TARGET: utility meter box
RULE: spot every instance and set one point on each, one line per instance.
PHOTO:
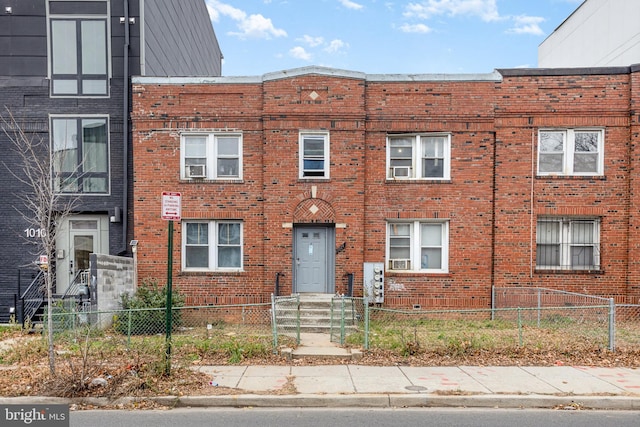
(374, 281)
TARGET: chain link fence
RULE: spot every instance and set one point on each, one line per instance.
(627, 326)
(459, 331)
(552, 320)
(198, 333)
(285, 318)
(347, 318)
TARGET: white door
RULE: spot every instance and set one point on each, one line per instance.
(78, 238)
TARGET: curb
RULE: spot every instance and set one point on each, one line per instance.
(626, 403)
(404, 401)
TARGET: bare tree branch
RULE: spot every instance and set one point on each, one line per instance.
(44, 208)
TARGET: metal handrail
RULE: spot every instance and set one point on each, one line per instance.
(81, 279)
(33, 297)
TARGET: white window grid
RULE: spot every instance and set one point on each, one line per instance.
(310, 159)
(214, 158)
(419, 156)
(571, 152)
(405, 242)
(213, 243)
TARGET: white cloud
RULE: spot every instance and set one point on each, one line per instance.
(351, 5)
(335, 46)
(311, 41)
(251, 26)
(415, 28)
(299, 53)
(487, 10)
(527, 25)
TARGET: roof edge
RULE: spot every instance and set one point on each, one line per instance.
(576, 71)
(321, 71)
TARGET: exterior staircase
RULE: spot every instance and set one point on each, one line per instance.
(318, 321)
(316, 313)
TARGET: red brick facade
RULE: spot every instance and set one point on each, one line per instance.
(490, 203)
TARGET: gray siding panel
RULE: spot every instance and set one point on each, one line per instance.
(195, 52)
(23, 66)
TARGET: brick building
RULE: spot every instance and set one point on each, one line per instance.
(454, 183)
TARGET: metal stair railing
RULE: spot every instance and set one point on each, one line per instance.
(80, 280)
(33, 298)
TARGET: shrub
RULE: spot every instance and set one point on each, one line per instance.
(147, 310)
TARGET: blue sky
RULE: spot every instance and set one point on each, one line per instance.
(383, 36)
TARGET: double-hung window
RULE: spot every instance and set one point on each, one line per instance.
(568, 243)
(79, 48)
(425, 156)
(80, 154)
(314, 155)
(211, 155)
(212, 245)
(571, 152)
(418, 246)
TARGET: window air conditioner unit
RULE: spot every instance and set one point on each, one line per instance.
(402, 172)
(196, 171)
(400, 264)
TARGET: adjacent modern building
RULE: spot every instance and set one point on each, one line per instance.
(301, 181)
(599, 33)
(65, 69)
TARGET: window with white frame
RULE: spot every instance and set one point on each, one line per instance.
(418, 246)
(80, 154)
(571, 152)
(314, 155)
(568, 243)
(211, 245)
(79, 48)
(211, 155)
(424, 156)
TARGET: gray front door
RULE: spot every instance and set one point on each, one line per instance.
(313, 260)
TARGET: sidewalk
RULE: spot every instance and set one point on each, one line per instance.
(563, 387)
(403, 386)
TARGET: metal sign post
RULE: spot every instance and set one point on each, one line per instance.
(171, 210)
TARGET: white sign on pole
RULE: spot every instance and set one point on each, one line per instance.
(171, 206)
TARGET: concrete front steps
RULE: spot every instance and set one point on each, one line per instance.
(316, 314)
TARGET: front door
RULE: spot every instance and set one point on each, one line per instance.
(79, 237)
(314, 260)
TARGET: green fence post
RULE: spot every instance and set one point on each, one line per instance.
(129, 328)
(298, 319)
(274, 326)
(331, 320)
(612, 325)
(520, 327)
(366, 323)
(342, 320)
(539, 306)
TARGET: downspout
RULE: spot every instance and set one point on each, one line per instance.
(494, 192)
(532, 216)
(125, 130)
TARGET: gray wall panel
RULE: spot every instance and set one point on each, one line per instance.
(195, 52)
